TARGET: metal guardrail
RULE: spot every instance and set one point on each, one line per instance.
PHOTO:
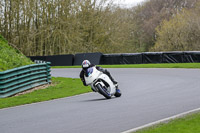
(23, 78)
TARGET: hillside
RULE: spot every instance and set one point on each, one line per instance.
(11, 58)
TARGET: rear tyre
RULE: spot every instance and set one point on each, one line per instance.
(118, 93)
(103, 91)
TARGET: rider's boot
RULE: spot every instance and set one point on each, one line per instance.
(117, 88)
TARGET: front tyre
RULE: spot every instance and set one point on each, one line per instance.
(103, 91)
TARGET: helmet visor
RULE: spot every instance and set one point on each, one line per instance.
(86, 65)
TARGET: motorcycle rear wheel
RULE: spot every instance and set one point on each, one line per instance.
(118, 94)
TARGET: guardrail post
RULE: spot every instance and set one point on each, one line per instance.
(48, 72)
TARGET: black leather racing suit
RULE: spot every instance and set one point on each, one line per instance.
(82, 73)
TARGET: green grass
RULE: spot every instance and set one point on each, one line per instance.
(188, 124)
(164, 65)
(64, 87)
(11, 58)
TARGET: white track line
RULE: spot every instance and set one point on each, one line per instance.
(162, 121)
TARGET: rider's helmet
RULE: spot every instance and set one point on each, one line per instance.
(86, 64)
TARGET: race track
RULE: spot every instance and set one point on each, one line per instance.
(148, 95)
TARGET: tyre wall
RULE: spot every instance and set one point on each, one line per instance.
(94, 58)
(56, 60)
(122, 58)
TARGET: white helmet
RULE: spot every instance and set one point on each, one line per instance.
(86, 64)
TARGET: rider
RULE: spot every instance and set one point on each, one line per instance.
(86, 64)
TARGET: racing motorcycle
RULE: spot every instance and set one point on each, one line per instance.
(101, 83)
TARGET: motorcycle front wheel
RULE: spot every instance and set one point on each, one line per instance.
(103, 91)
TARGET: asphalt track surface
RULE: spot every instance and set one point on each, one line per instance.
(148, 95)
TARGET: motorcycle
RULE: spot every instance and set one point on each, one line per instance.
(101, 83)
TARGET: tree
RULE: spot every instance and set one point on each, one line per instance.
(181, 33)
(149, 15)
(50, 27)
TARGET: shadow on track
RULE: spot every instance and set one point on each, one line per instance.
(99, 99)
(93, 100)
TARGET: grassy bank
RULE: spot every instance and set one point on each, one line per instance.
(164, 65)
(10, 57)
(63, 87)
(188, 124)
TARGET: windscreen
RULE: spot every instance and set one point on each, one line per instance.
(89, 71)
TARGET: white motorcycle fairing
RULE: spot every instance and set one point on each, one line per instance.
(95, 77)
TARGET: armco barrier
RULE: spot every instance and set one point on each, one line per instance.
(23, 78)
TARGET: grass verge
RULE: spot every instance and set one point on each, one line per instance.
(163, 65)
(187, 124)
(63, 87)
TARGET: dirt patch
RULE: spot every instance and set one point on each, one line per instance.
(33, 89)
